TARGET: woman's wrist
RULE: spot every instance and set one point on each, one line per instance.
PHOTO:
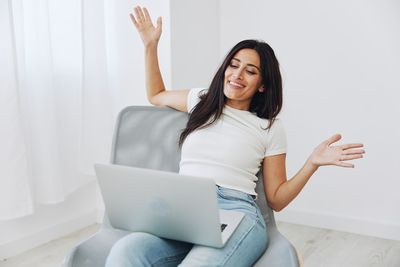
(310, 165)
(151, 45)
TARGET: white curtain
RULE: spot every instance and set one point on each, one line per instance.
(56, 105)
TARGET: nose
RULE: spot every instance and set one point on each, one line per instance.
(237, 74)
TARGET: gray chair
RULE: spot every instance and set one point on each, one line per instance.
(148, 137)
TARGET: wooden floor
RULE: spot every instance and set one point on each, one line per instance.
(50, 254)
(328, 248)
(317, 247)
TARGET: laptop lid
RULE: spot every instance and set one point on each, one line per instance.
(162, 203)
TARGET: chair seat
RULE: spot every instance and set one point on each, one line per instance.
(93, 251)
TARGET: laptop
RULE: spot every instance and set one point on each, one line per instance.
(165, 204)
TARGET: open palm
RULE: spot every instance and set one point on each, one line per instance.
(145, 27)
(326, 154)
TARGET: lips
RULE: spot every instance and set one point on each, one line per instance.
(236, 85)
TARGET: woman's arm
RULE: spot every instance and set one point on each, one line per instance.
(280, 192)
(150, 35)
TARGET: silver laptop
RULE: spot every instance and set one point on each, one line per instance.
(165, 204)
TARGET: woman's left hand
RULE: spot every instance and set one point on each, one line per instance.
(326, 154)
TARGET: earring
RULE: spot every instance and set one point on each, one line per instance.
(261, 89)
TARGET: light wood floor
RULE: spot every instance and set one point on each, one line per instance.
(328, 248)
(317, 247)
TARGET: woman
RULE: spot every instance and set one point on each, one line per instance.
(232, 132)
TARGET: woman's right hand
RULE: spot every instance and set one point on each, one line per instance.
(150, 35)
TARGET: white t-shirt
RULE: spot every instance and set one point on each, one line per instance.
(232, 149)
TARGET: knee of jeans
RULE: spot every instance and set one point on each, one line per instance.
(132, 247)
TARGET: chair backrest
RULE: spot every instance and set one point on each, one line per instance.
(147, 137)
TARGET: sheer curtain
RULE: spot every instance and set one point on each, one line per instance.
(56, 106)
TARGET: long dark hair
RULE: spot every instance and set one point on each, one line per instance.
(266, 105)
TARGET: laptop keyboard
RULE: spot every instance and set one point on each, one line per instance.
(223, 226)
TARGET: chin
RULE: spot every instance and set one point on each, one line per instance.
(228, 94)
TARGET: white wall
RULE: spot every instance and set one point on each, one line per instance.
(340, 62)
(126, 53)
(195, 42)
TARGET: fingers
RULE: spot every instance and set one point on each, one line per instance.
(337, 137)
(350, 157)
(353, 152)
(159, 22)
(344, 164)
(141, 17)
(139, 14)
(146, 14)
(133, 19)
(345, 152)
(333, 139)
(348, 146)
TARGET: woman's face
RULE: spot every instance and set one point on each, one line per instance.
(242, 79)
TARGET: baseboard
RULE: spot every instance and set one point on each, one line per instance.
(376, 228)
(50, 233)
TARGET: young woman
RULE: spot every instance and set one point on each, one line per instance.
(232, 132)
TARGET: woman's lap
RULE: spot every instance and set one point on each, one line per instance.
(243, 248)
(143, 249)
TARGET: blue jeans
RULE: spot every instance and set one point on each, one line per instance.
(244, 247)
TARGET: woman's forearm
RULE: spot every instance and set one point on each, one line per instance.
(154, 81)
(323, 155)
(288, 190)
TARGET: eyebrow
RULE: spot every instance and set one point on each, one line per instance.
(252, 65)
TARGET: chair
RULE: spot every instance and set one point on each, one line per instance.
(148, 137)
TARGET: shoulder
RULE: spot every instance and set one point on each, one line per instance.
(277, 130)
(275, 141)
(277, 124)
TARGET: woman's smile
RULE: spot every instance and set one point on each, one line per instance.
(235, 85)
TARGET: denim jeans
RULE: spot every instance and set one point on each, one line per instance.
(244, 247)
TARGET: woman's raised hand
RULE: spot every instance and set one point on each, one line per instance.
(142, 21)
(326, 154)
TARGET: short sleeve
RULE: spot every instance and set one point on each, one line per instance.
(276, 139)
(194, 98)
